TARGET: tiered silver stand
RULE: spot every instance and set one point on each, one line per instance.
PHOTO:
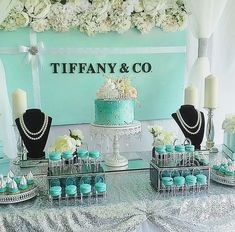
(114, 132)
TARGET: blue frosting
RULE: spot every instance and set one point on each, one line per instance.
(114, 112)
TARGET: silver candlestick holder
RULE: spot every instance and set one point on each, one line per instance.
(21, 151)
(210, 132)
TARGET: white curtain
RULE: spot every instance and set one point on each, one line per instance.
(204, 16)
(223, 66)
(222, 60)
(7, 134)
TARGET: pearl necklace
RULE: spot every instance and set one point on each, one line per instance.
(186, 126)
(28, 133)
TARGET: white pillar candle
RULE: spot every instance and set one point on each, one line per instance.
(191, 96)
(211, 92)
(19, 102)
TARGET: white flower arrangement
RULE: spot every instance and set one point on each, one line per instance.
(161, 136)
(64, 143)
(229, 124)
(117, 88)
(68, 142)
(96, 16)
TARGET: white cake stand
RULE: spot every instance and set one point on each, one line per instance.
(113, 131)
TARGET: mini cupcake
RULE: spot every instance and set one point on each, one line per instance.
(29, 178)
(17, 179)
(23, 183)
(222, 169)
(8, 181)
(216, 166)
(190, 180)
(229, 171)
(3, 186)
(13, 187)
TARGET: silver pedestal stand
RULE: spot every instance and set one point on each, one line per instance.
(112, 131)
(210, 132)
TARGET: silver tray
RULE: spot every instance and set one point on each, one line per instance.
(19, 197)
(226, 180)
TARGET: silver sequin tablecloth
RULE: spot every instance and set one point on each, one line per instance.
(131, 205)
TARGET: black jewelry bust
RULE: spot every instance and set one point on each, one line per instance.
(190, 117)
(34, 120)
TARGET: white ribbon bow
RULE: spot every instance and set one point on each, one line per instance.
(33, 52)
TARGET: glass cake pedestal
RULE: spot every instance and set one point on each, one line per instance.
(115, 131)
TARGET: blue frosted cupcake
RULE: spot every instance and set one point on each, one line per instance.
(67, 155)
(191, 180)
(94, 154)
(55, 155)
(85, 188)
(201, 179)
(71, 190)
(179, 181)
(82, 153)
(55, 191)
(167, 181)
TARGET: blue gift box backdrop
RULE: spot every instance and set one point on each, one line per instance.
(72, 66)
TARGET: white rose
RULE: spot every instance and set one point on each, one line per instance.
(37, 8)
(76, 134)
(40, 25)
(64, 143)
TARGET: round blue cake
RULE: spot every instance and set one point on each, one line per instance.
(114, 112)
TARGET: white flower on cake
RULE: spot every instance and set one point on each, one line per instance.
(117, 88)
(64, 143)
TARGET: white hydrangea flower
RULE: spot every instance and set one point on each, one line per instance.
(37, 8)
(95, 20)
(143, 22)
(120, 22)
(173, 20)
(81, 5)
(153, 6)
(15, 20)
(61, 17)
(40, 25)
